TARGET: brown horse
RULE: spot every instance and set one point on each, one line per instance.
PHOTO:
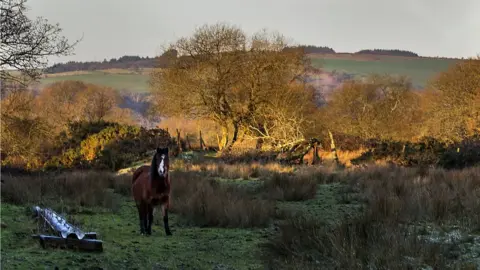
(151, 187)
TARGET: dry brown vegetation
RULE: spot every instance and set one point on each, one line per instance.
(68, 189)
(291, 187)
(361, 243)
(196, 195)
(206, 202)
(401, 205)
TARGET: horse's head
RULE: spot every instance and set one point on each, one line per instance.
(160, 162)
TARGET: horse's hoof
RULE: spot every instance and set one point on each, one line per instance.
(169, 233)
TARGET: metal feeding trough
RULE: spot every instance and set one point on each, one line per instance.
(67, 235)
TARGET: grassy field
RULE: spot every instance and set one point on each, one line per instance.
(256, 216)
(420, 70)
(119, 80)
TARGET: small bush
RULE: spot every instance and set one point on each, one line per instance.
(462, 155)
(289, 187)
(206, 202)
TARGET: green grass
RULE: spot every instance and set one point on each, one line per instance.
(124, 248)
(188, 248)
(419, 70)
(130, 82)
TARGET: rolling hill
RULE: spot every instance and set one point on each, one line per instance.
(335, 66)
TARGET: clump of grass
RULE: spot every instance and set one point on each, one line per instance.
(410, 194)
(290, 187)
(362, 243)
(206, 202)
(382, 237)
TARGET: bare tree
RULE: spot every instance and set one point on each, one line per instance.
(99, 102)
(26, 44)
(227, 77)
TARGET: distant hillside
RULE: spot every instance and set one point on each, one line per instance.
(133, 63)
(130, 73)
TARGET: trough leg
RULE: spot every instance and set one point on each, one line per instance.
(165, 219)
(150, 219)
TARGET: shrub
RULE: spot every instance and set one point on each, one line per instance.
(461, 155)
(113, 147)
(425, 152)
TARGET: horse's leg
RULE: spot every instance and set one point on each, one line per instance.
(150, 219)
(165, 207)
(142, 214)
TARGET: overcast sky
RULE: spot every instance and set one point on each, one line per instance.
(112, 28)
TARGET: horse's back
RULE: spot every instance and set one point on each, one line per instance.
(145, 169)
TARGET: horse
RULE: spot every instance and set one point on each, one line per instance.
(150, 188)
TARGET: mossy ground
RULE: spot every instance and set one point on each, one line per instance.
(124, 248)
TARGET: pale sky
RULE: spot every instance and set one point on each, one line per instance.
(113, 28)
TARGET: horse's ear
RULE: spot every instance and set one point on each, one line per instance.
(159, 150)
(166, 150)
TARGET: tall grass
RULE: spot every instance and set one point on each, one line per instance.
(206, 202)
(386, 235)
(67, 189)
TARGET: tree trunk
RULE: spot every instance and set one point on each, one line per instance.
(234, 138)
(203, 146)
(179, 142)
(187, 142)
(315, 153)
(332, 147)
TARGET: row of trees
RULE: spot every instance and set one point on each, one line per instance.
(125, 62)
(252, 86)
(394, 52)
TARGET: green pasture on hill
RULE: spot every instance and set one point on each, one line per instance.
(128, 81)
(419, 70)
